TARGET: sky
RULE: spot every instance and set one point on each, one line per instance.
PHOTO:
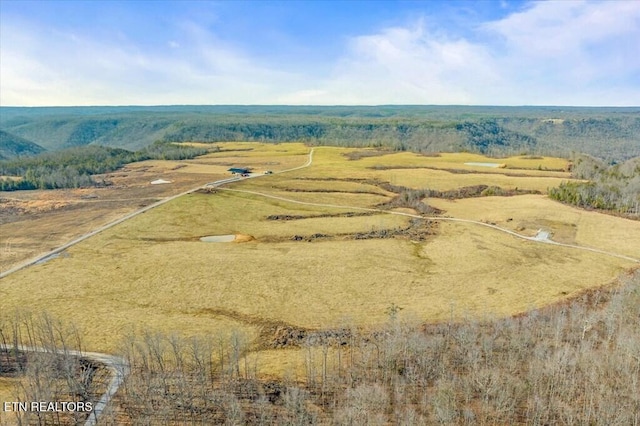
(62, 53)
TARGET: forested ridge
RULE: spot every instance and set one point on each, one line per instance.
(12, 146)
(78, 138)
(74, 167)
(612, 134)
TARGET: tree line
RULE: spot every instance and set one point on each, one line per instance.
(608, 133)
(614, 188)
(576, 362)
(74, 167)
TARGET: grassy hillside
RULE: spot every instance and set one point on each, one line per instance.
(341, 259)
(346, 300)
(12, 146)
(609, 133)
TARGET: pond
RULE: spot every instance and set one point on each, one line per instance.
(218, 238)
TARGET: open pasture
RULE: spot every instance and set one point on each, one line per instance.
(133, 277)
(227, 212)
(54, 217)
(531, 165)
(419, 171)
(258, 156)
(443, 180)
(314, 267)
(328, 186)
(529, 213)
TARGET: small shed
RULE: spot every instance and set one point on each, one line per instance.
(238, 170)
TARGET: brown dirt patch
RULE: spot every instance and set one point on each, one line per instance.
(316, 216)
(243, 238)
(357, 155)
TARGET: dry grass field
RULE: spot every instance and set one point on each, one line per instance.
(318, 267)
(54, 217)
(7, 389)
(529, 213)
(535, 166)
(441, 173)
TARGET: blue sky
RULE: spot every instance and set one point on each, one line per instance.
(319, 52)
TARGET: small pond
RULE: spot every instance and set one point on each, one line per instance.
(218, 238)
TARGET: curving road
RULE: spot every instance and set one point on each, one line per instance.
(118, 367)
(536, 239)
(49, 255)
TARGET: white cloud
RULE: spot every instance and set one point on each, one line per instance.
(562, 53)
(407, 66)
(552, 29)
(41, 67)
(579, 45)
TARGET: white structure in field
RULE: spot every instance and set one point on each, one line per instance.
(160, 182)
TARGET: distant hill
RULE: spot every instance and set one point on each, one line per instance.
(612, 134)
(12, 146)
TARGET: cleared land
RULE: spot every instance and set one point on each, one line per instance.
(314, 268)
(528, 213)
(443, 172)
(7, 388)
(54, 217)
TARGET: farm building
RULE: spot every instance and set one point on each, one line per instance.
(238, 170)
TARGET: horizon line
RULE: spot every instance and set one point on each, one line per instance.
(322, 106)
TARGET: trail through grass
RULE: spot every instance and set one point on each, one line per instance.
(306, 268)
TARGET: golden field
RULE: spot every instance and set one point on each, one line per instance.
(417, 171)
(152, 271)
(528, 213)
(7, 389)
(54, 217)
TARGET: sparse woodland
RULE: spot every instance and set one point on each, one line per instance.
(54, 374)
(576, 362)
(613, 188)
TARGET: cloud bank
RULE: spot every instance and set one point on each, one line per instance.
(549, 53)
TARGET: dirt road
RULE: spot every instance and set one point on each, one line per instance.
(118, 367)
(49, 255)
(537, 238)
